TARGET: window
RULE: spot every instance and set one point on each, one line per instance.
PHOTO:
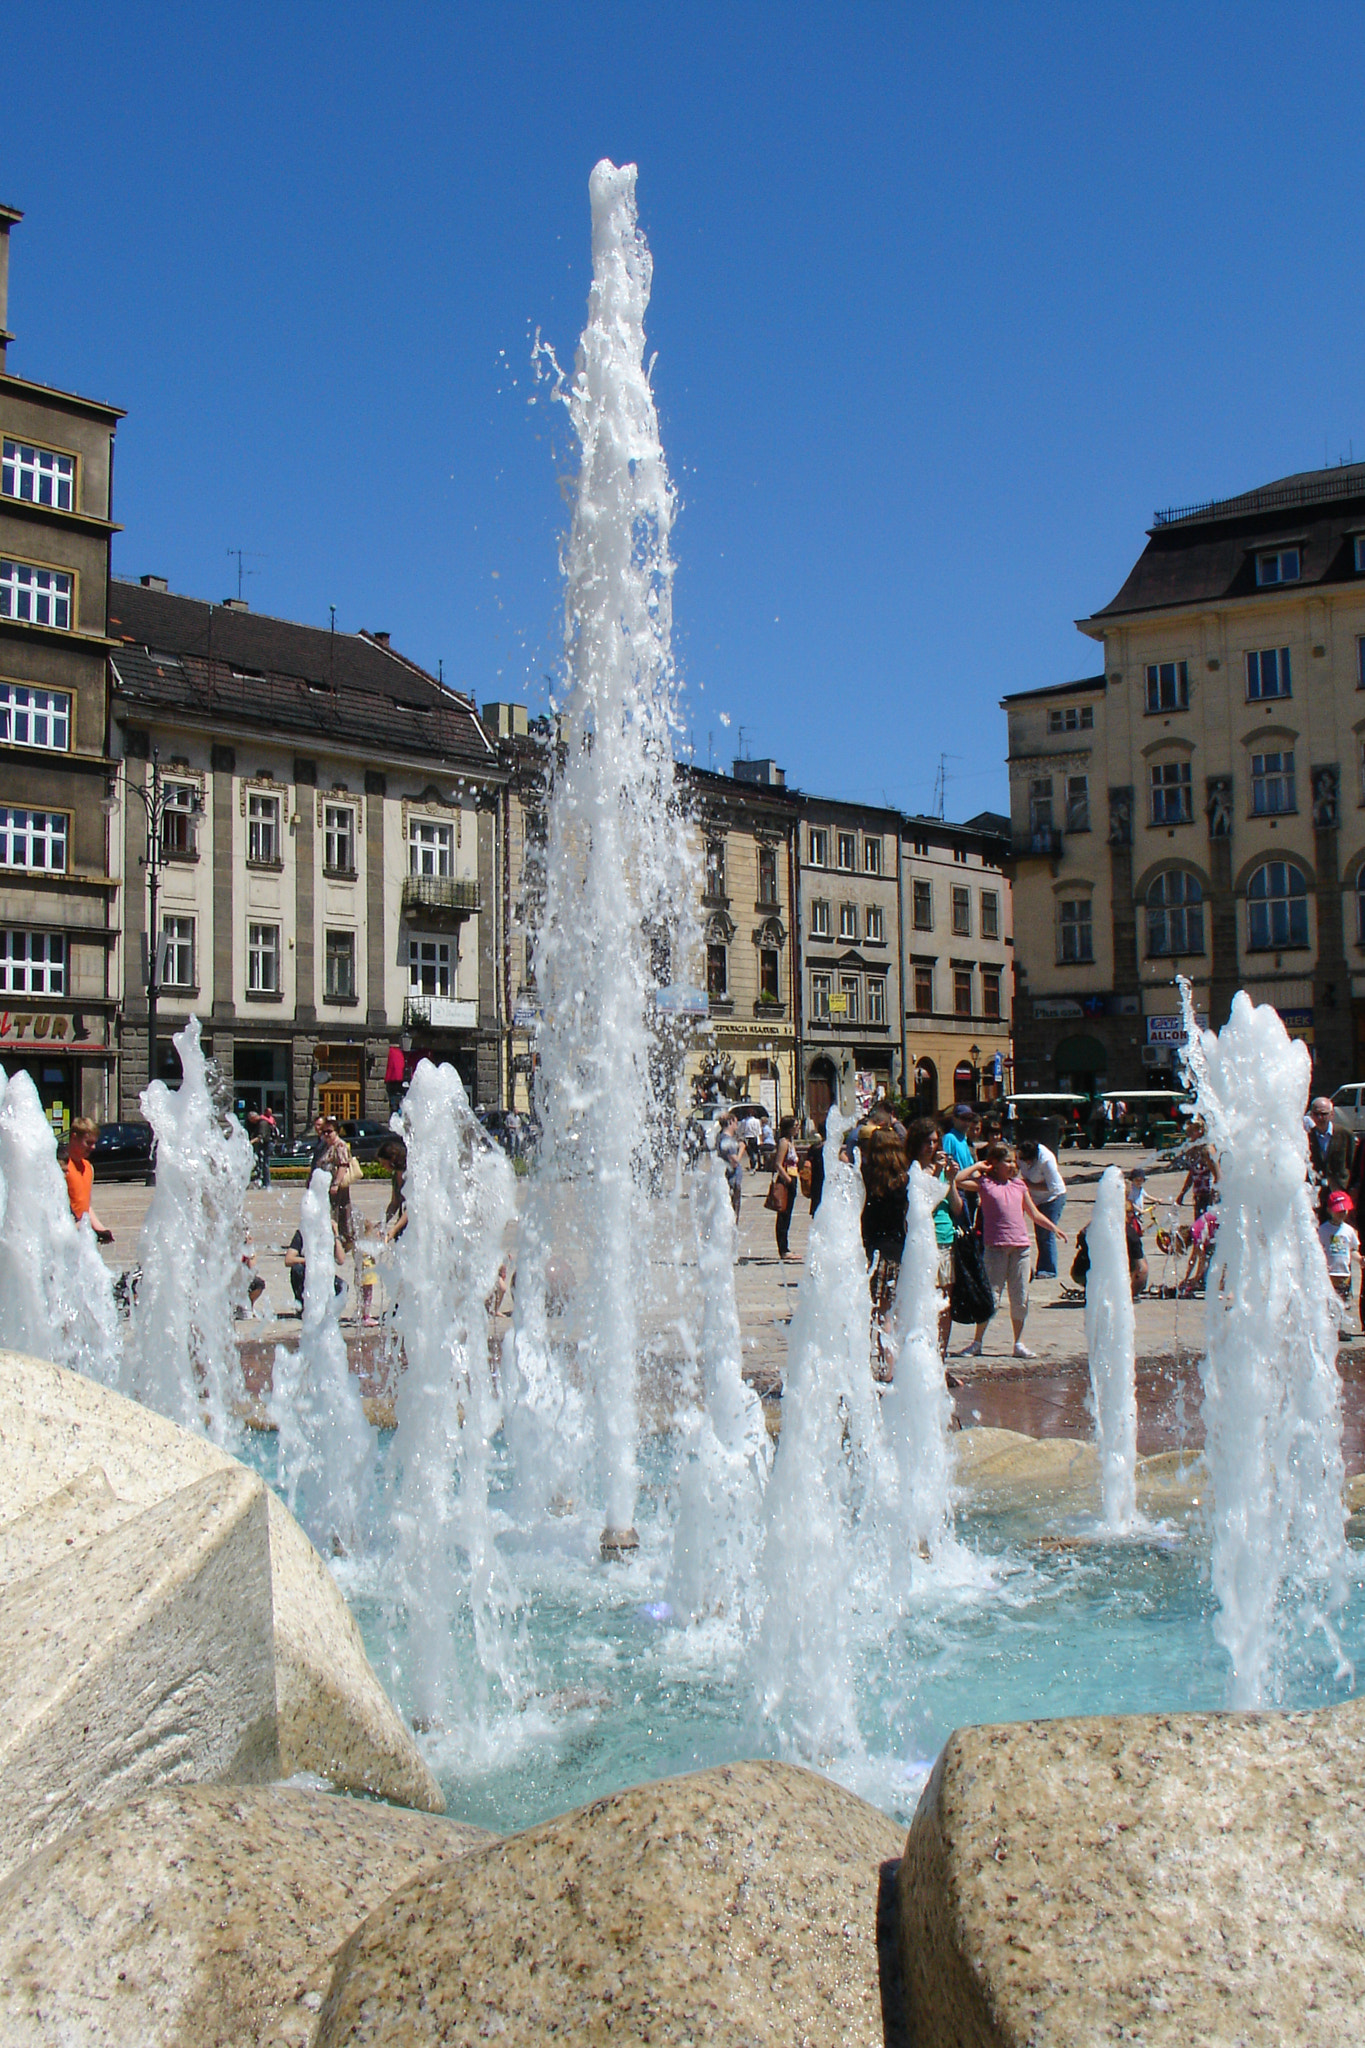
(873, 920)
(962, 912)
(718, 970)
(821, 986)
(962, 991)
(1078, 803)
(767, 874)
(1175, 914)
(1168, 686)
(768, 985)
(848, 989)
(180, 803)
(1076, 942)
(990, 914)
(1272, 784)
(263, 959)
(819, 847)
(960, 856)
(1040, 807)
(1075, 718)
(920, 847)
(1277, 907)
(990, 991)
(40, 597)
(33, 839)
(262, 828)
(431, 967)
(924, 989)
(876, 999)
(1282, 565)
(338, 839)
(715, 868)
(177, 952)
(1360, 659)
(848, 851)
(35, 718)
(872, 856)
(1360, 554)
(819, 918)
(1171, 793)
(340, 966)
(1268, 673)
(924, 906)
(32, 964)
(429, 850)
(848, 921)
(37, 475)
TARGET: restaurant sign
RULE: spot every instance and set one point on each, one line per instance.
(47, 1028)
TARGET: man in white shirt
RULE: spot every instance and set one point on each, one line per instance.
(1039, 1168)
(751, 1131)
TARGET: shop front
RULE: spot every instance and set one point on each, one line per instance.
(260, 1079)
(66, 1055)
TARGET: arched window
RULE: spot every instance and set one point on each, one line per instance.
(1277, 906)
(1175, 913)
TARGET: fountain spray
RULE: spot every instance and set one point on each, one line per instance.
(1111, 1342)
(56, 1298)
(1272, 1399)
(917, 1409)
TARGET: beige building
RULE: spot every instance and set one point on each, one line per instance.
(848, 892)
(1198, 807)
(957, 959)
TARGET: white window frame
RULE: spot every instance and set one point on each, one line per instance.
(959, 974)
(1175, 918)
(1279, 671)
(819, 917)
(718, 956)
(35, 596)
(331, 953)
(1078, 803)
(338, 836)
(925, 968)
(30, 717)
(962, 911)
(181, 806)
(990, 913)
(821, 989)
(848, 922)
(263, 959)
(819, 846)
(872, 854)
(24, 832)
(1074, 718)
(1168, 687)
(262, 828)
(1172, 793)
(991, 979)
(32, 963)
(767, 876)
(1269, 939)
(849, 988)
(1080, 924)
(177, 951)
(431, 849)
(715, 869)
(50, 475)
(1280, 565)
(1041, 822)
(847, 844)
(876, 999)
(922, 890)
(874, 927)
(1272, 784)
(437, 954)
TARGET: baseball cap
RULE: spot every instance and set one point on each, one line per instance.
(1340, 1203)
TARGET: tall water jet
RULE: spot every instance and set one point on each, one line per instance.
(1112, 1344)
(917, 1409)
(450, 1579)
(719, 1522)
(181, 1356)
(325, 1445)
(1272, 1398)
(617, 919)
(821, 1538)
(56, 1296)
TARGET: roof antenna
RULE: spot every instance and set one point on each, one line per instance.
(242, 573)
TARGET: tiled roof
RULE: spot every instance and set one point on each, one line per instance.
(301, 681)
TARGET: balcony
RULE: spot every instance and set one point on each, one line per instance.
(1045, 844)
(440, 896)
(771, 1007)
(441, 1013)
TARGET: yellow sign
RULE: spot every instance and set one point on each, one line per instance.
(838, 1006)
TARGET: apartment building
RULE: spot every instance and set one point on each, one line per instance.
(58, 916)
(1198, 806)
(325, 856)
(957, 959)
(848, 889)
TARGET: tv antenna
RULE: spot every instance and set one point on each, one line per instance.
(240, 555)
(941, 783)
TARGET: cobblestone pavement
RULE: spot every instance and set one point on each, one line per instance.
(1044, 1396)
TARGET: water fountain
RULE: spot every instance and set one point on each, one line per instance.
(1111, 1342)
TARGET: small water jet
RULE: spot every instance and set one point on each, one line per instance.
(1111, 1341)
(917, 1409)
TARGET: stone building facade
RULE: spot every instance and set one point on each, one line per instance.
(957, 959)
(330, 884)
(58, 910)
(1198, 807)
(848, 891)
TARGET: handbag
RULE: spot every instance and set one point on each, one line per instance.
(352, 1172)
(778, 1196)
(973, 1297)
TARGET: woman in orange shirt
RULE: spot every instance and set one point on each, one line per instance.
(80, 1175)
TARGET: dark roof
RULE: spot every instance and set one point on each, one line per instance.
(1085, 684)
(1205, 554)
(990, 821)
(215, 661)
(985, 825)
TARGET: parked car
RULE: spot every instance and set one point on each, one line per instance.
(291, 1152)
(125, 1152)
(365, 1139)
(1348, 1106)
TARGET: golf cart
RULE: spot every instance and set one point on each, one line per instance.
(1051, 1120)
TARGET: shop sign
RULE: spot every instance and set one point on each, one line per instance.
(838, 1006)
(1298, 1023)
(525, 1017)
(1170, 1030)
(680, 1001)
(49, 1026)
(1056, 1006)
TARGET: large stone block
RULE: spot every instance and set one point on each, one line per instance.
(737, 1906)
(208, 1915)
(1168, 1880)
(58, 1429)
(144, 1658)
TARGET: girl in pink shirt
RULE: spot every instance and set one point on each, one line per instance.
(1007, 1209)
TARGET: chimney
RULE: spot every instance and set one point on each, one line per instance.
(381, 638)
(505, 721)
(9, 216)
(154, 583)
(767, 773)
(235, 604)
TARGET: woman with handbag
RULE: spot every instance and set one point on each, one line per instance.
(782, 1191)
(345, 1171)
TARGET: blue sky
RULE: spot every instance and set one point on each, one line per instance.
(946, 303)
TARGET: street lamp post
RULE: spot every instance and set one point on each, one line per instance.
(155, 803)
